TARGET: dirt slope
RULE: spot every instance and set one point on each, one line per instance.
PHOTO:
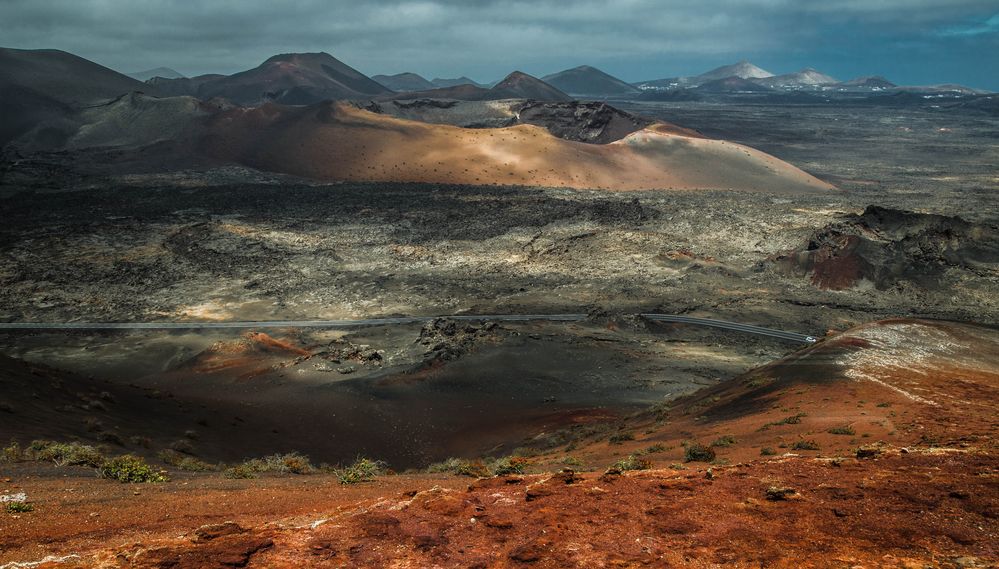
(333, 141)
(902, 381)
(919, 491)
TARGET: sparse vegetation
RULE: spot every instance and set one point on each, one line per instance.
(19, 507)
(130, 468)
(460, 467)
(573, 462)
(239, 472)
(789, 420)
(64, 454)
(724, 441)
(11, 453)
(696, 452)
(655, 449)
(767, 451)
(362, 470)
(619, 438)
(805, 445)
(508, 465)
(845, 430)
(288, 463)
(184, 462)
(632, 462)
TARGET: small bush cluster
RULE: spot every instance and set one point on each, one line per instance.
(696, 452)
(846, 430)
(789, 420)
(460, 467)
(184, 462)
(479, 469)
(289, 463)
(619, 438)
(19, 507)
(239, 471)
(805, 445)
(63, 454)
(767, 451)
(632, 462)
(130, 468)
(655, 449)
(508, 465)
(362, 470)
(724, 441)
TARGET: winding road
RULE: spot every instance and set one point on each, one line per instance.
(652, 317)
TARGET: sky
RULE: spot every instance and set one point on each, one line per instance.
(908, 41)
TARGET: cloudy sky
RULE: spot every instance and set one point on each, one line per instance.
(909, 41)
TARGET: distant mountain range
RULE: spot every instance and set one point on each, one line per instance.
(46, 86)
(148, 74)
(404, 82)
(516, 85)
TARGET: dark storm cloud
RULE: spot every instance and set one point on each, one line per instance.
(925, 40)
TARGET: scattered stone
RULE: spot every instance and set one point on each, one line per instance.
(214, 531)
(780, 493)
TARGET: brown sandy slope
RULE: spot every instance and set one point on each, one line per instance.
(902, 381)
(332, 141)
(922, 492)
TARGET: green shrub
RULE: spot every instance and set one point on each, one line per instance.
(573, 462)
(847, 430)
(633, 462)
(724, 441)
(362, 470)
(183, 462)
(130, 468)
(292, 462)
(696, 452)
(12, 453)
(19, 507)
(289, 463)
(767, 451)
(805, 445)
(619, 438)
(508, 465)
(460, 467)
(239, 471)
(64, 453)
(654, 449)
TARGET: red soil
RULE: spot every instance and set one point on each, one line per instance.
(920, 491)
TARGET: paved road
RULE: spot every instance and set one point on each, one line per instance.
(747, 328)
(734, 326)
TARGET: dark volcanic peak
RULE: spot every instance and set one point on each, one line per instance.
(586, 80)
(520, 85)
(48, 85)
(404, 82)
(742, 70)
(439, 82)
(294, 78)
(61, 76)
(148, 74)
